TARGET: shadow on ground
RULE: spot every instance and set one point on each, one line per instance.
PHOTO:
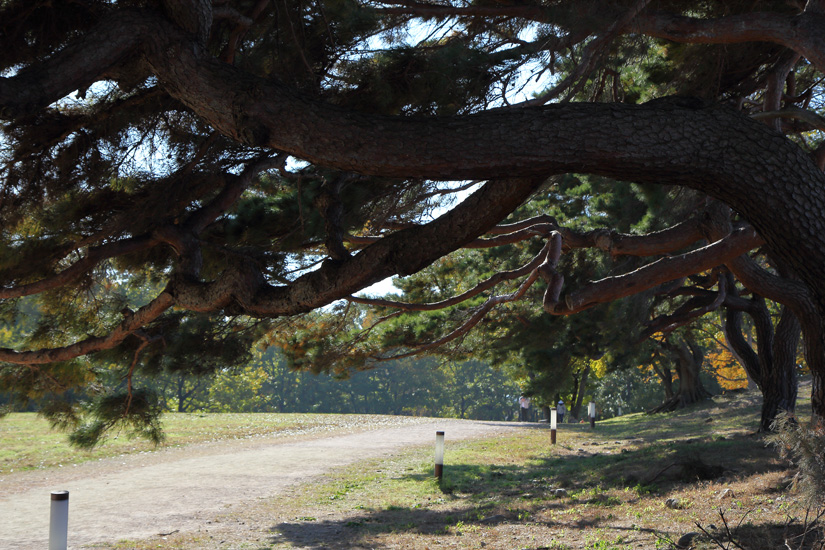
(485, 495)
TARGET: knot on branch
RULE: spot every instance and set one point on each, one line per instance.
(604, 240)
(186, 247)
(193, 16)
(233, 291)
(328, 202)
(715, 222)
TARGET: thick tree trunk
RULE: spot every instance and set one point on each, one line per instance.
(571, 412)
(689, 360)
(691, 389)
(814, 345)
(181, 408)
(780, 386)
(773, 366)
(666, 377)
(575, 411)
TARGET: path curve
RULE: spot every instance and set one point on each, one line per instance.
(130, 498)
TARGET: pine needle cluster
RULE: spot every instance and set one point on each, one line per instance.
(804, 446)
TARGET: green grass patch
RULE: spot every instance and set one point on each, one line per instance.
(27, 442)
(636, 481)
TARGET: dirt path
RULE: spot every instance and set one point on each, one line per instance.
(136, 497)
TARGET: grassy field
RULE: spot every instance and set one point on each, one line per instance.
(27, 443)
(699, 479)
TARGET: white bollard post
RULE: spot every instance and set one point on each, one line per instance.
(59, 521)
(439, 455)
(553, 422)
(592, 410)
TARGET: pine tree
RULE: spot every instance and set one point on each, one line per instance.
(146, 147)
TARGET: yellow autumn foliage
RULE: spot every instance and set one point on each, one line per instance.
(727, 370)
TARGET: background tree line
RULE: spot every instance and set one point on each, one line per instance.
(272, 381)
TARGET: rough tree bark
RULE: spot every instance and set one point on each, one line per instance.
(689, 359)
(773, 365)
(666, 377)
(575, 411)
(781, 383)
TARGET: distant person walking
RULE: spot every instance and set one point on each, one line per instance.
(524, 408)
(560, 410)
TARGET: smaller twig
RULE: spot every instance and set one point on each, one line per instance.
(487, 284)
(728, 532)
(808, 526)
(712, 537)
(482, 311)
(144, 341)
(660, 472)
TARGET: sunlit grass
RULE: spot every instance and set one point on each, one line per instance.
(27, 442)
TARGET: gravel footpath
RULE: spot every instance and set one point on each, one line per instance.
(140, 496)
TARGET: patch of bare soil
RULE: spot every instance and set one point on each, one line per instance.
(183, 491)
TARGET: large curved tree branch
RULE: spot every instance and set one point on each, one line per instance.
(658, 272)
(754, 277)
(678, 142)
(714, 145)
(243, 288)
(544, 265)
(801, 33)
(130, 324)
(715, 150)
(692, 309)
(666, 241)
(76, 67)
(93, 257)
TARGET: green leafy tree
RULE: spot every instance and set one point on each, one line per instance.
(625, 391)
